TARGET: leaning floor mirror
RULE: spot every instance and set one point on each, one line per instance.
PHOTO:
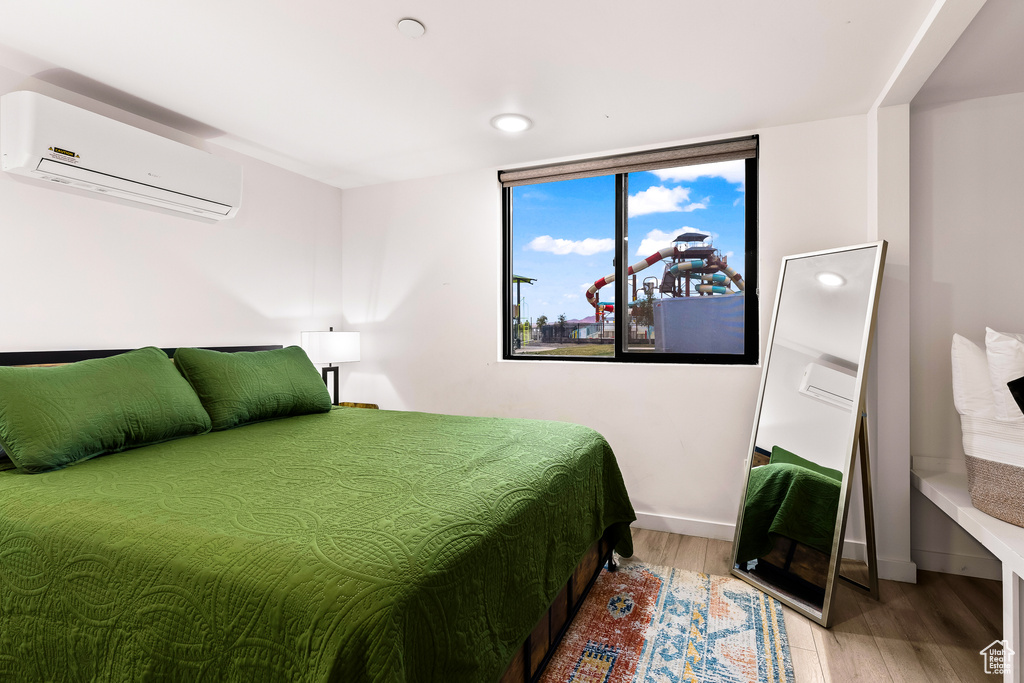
(809, 441)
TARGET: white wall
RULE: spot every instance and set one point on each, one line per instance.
(421, 281)
(83, 271)
(967, 254)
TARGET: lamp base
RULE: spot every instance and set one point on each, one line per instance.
(331, 369)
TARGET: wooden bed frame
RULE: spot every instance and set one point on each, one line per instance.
(62, 357)
(530, 660)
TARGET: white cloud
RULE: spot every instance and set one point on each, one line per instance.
(536, 194)
(655, 241)
(731, 171)
(658, 199)
(661, 199)
(586, 247)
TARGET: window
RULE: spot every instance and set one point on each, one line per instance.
(646, 257)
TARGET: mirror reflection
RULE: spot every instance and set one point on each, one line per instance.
(805, 430)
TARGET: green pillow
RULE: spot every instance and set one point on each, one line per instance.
(780, 454)
(52, 417)
(250, 386)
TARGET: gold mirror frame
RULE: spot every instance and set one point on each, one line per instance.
(856, 441)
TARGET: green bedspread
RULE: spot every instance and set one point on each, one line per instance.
(788, 500)
(355, 545)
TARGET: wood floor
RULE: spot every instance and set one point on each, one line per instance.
(930, 631)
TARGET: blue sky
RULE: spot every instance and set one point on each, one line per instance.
(563, 233)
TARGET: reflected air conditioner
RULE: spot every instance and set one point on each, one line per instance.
(828, 385)
(58, 143)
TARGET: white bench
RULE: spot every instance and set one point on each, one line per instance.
(948, 490)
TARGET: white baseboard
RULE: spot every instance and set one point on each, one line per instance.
(893, 570)
(684, 526)
(967, 565)
(897, 570)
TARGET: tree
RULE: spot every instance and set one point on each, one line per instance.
(542, 320)
(561, 325)
(643, 311)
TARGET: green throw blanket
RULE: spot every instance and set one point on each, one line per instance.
(355, 545)
(788, 500)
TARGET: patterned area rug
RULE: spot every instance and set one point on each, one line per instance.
(650, 624)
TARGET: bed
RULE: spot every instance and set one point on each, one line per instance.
(347, 545)
(789, 516)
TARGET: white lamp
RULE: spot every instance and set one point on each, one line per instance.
(331, 347)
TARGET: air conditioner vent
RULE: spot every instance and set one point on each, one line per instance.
(49, 140)
(828, 385)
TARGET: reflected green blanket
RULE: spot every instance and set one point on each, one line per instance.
(788, 500)
(355, 545)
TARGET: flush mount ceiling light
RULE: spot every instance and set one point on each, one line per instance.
(411, 28)
(511, 123)
(831, 279)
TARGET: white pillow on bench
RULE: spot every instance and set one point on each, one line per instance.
(993, 444)
(972, 388)
(1005, 355)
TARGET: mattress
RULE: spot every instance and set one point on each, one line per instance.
(784, 499)
(354, 545)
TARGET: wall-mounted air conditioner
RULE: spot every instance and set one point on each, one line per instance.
(58, 143)
(828, 385)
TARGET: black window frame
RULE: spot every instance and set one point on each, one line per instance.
(751, 332)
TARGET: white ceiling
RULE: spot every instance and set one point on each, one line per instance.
(987, 60)
(331, 89)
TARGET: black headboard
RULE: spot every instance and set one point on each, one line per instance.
(47, 357)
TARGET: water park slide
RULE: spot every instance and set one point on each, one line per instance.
(667, 252)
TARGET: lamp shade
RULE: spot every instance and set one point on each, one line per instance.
(331, 347)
